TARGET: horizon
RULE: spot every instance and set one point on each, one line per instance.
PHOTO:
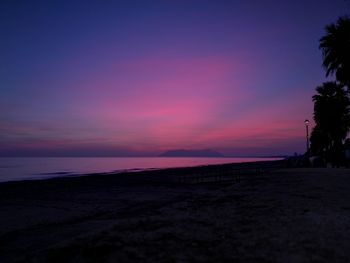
(142, 155)
(119, 78)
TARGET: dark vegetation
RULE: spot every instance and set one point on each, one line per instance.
(332, 100)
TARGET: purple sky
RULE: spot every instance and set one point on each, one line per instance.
(141, 77)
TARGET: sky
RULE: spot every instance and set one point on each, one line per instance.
(136, 78)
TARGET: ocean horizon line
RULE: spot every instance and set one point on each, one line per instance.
(143, 156)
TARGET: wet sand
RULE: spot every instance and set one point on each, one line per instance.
(278, 215)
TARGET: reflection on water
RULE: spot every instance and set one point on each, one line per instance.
(31, 168)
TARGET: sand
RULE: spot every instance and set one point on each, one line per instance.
(279, 215)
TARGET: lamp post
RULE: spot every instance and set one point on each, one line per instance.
(307, 122)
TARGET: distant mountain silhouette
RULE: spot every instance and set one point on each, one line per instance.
(191, 153)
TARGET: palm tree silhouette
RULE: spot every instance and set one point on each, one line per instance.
(335, 47)
(332, 117)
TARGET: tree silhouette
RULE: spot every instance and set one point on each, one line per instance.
(332, 117)
(319, 142)
(335, 47)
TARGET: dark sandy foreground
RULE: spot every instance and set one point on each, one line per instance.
(282, 215)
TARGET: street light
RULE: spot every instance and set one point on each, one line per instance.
(307, 122)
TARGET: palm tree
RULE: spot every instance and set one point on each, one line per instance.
(335, 47)
(332, 117)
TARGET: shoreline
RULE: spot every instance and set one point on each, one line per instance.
(147, 171)
(17, 169)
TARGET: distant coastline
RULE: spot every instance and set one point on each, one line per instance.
(191, 153)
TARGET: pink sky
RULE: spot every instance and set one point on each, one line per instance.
(164, 103)
(120, 79)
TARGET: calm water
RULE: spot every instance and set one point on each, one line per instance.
(13, 169)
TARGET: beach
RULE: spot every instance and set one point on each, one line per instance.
(276, 214)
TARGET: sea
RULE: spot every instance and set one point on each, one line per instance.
(15, 169)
